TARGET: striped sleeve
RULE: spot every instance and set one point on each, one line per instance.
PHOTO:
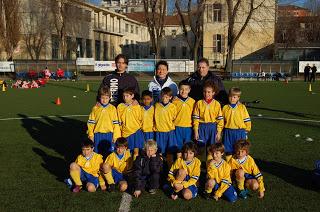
(257, 174)
(196, 117)
(91, 123)
(225, 181)
(116, 125)
(246, 119)
(220, 121)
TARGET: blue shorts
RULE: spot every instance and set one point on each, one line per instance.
(117, 176)
(207, 133)
(166, 141)
(103, 143)
(136, 140)
(230, 137)
(230, 194)
(88, 178)
(248, 176)
(183, 135)
(148, 135)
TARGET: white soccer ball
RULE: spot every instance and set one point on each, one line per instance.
(297, 135)
(259, 115)
(309, 139)
(74, 96)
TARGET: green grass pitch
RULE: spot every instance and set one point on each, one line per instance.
(35, 153)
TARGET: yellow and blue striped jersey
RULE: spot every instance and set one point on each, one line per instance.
(248, 165)
(236, 117)
(147, 118)
(90, 165)
(221, 174)
(184, 111)
(121, 164)
(164, 117)
(207, 113)
(130, 117)
(192, 168)
(104, 119)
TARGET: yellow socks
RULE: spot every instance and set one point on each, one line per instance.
(109, 178)
(75, 175)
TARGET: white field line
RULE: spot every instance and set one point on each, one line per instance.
(287, 119)
(42, 117)
(125, 202)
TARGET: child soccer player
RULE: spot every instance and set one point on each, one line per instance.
(183, 121)
(237, 121)
(116, 166)
(130, 116)
(184, 173)
(218, 176)
(86, 167)
(103, 124)
(146, 169)
(164, 116)
(148, 115)
(207, 117)
(246, 171)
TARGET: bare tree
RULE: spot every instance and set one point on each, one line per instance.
(193, 18)
(10, 23)
(155, 12)
(37, 30)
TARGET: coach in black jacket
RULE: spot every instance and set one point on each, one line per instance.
(146, 170)
(119, 80)
(202, 75)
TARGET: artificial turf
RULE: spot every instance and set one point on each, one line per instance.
(36, 152)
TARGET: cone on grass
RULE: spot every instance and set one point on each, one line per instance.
(88, 88)
(3, 87)
(310, 88)
(286, 81)
(58, 101)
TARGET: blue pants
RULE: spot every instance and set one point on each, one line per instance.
(88, 178)
(103, 143)
(148, 135)
(192, 188)
(207, 133)
(166, 141)
(248, 176)
(183, 135)
(230, 137)
(136, 140)
(230, 194)
(117, 176)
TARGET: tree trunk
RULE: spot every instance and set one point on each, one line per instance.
(228, 66)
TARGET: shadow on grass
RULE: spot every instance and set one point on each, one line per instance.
(295, 176)
(298, 114)
(63, 135)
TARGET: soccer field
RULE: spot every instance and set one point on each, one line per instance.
(36, 153)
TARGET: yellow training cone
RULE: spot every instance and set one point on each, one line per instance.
(3, 88)
(88, 88)
(310, 88)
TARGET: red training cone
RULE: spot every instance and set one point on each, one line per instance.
(58, 101)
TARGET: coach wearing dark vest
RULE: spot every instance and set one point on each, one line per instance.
(119, 80)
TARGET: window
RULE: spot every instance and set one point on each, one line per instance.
(55, 46)
(209, 13)
(217, 8)
(79, 47)
(184, 51)
(173, 51)
(88, 48)
(97, 49)
(173, 33)
(105, 50)
(132, 31)
(127, 27)
(137, 30)
(218, 43)
(127, 42)
(96, 20)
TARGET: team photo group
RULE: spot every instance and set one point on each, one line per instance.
(188, 139)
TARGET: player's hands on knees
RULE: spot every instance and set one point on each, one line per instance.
(215, 197)
(136, 193)
(218, 137)
(91, 138)
(261, 194)
(178, 186)
(196, 135)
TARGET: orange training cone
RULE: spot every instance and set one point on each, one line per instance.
(58, 101)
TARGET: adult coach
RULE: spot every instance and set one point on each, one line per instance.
(119, 80)
(306, 72)
(198, 78)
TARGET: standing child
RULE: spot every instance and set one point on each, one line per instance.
(184, 173)
(218, 176)
(237, 121)
(103, 124)
(116, 166)
(86, 167)
(130, 116)
(146, 169)
(183, 122)
(246, 171)
(148, 115)
(207, 117)
(164, 115)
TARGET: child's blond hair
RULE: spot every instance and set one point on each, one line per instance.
(235, 91)
(151, 144)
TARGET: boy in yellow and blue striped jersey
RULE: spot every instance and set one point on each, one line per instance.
(183, 121)
(237, 122)
(85, 169)
(246, 171)
(130, 117)
(147, 115)
(116, 166)
(207, 117)
(164, 116)
(184, 173)
(103, 124)
(218, 176)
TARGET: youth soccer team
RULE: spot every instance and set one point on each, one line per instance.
(139, 141)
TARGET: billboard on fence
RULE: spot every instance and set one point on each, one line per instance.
(104, 66)
(141, 65)
(81, 61)
(6, 66)
(303, 64)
